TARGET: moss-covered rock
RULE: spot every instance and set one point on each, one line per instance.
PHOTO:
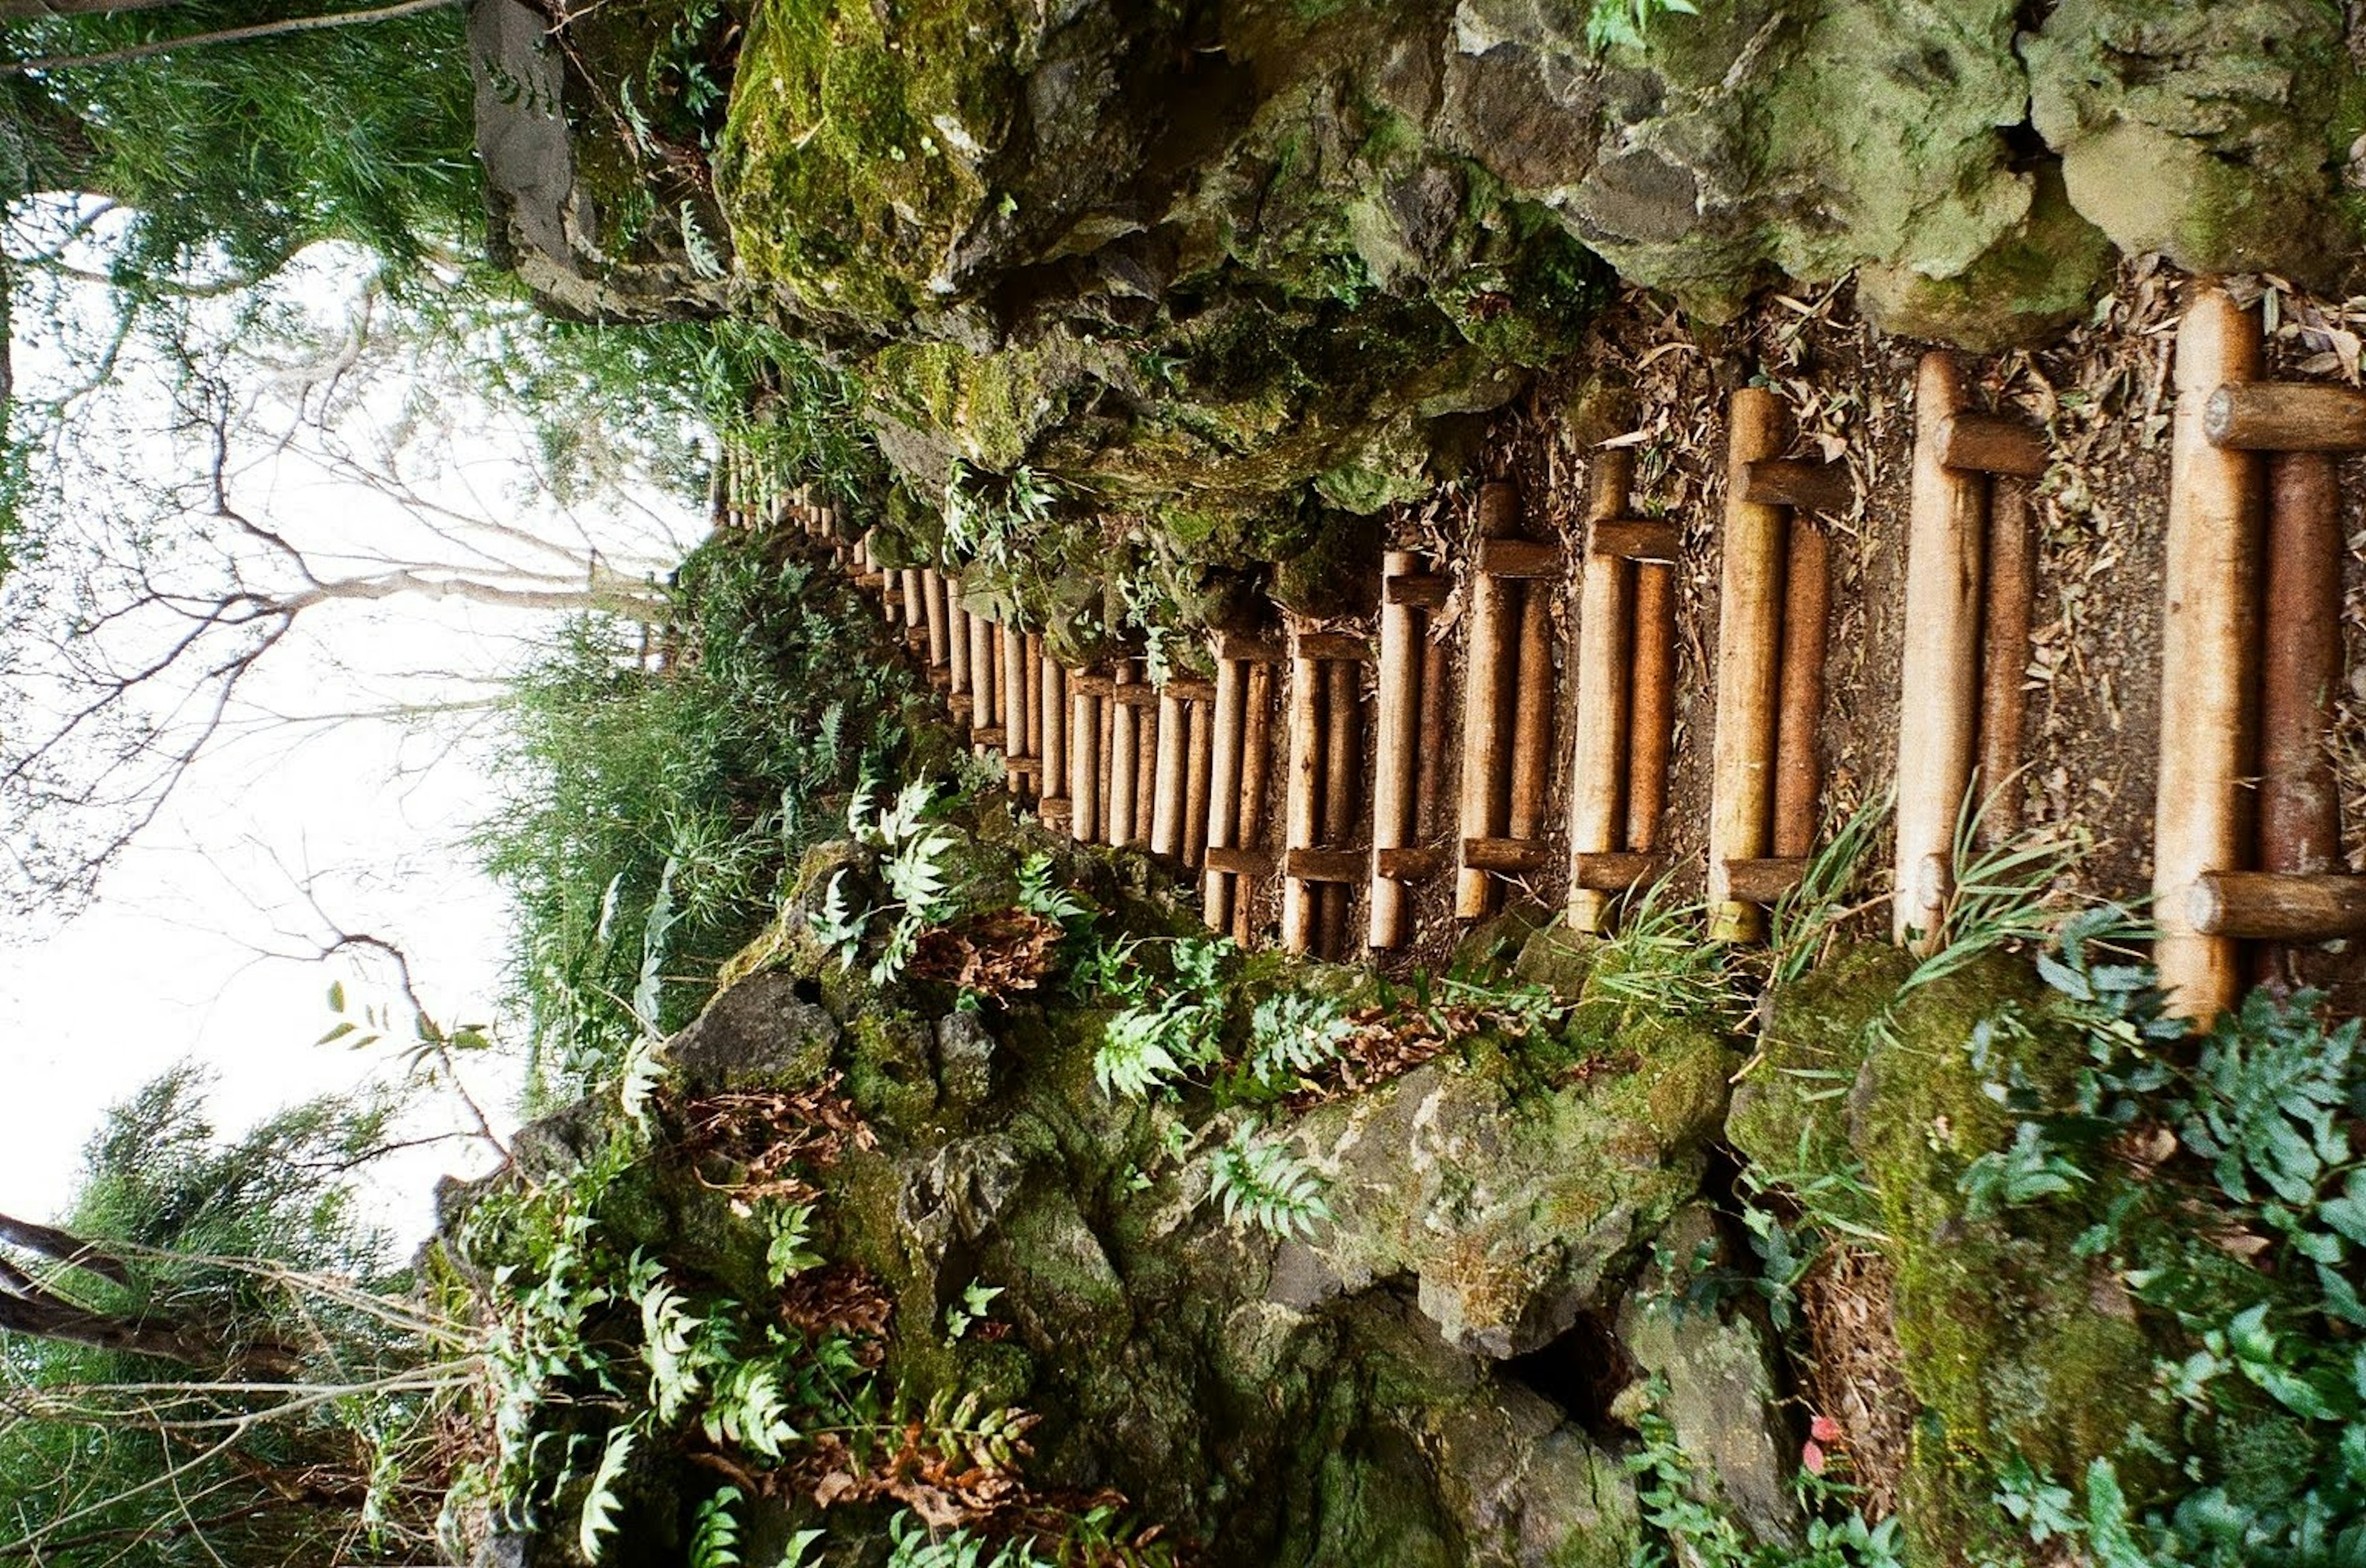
(2012, 1345)
(2209, 133)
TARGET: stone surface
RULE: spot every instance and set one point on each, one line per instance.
(757, 1034)
(2211, 133)
(1511, 1215)
(1721, 1395)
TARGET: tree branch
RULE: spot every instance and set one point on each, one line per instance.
(228, 35)
(62, 1248)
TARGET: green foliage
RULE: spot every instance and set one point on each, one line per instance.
(977, 1301)
(714, 1531)
(1626, 22)
(1293, 1036)
(1706, 1535)
(907, 856)
(914, 1545)
(599, 1519)
(1661, 960)
(988, 516)
(255, 1247)
(1165, 1029)
(1258, 1181)
(703, 780)
(236, 155)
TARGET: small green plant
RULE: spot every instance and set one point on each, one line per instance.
(1164, 1032)
(1293, 1036)
(1626, 22)
(977, 1301)
(909, 854)
(914, 1545)
(1258, 1181)
(1705, 1534)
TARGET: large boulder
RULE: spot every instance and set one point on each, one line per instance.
(2212, 133)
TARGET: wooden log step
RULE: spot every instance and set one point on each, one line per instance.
(1794, 482)
(1993, 444)
(987, 735)
(1616, 870)
(1135, 694)
(1234, 861)
(1415, 590)
(1765, 880)
(1331, 647)
(1504, 857)
(1750, 626)
(1189, 688)
(1026, 767)
(1093, 685)
(1598, 754)
(1520, 557)
(2286, 416)
(1396, 748)
(1939, 666)
(2273, 906)
(1249, 649)
(2299, 796)
(1410, 863)
(1633, 538)
(1055, 812)
(868, 580)
(2004, 647)
(961, 706)
(2209, 655)
(1327, 865)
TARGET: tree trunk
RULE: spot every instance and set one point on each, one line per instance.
(60, 1246)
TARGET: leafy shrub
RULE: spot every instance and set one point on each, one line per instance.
(709, 776)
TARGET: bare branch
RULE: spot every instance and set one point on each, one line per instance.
(228, 35)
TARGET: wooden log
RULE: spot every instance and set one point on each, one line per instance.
(2276, 906)
(1011, 651)
(957, 619)
(869, 582)
(986, 671)
(1795, 482)
(2209, 662)
(2005, 649)
(1145, 767)
(1616, 872)
(1328, 646)
(1056, 812)
(1126, 760)
(1052, 707)
(1032, 704)
(1303, 801)
(1169, 782)
(1397, 747)
(915, 602)
(1411, 862)
(1765, 880)
(1327, 865)
(2300, 799)
(1798, 738)
(1235, 861)
(1650, 706)
(1939, 668)
(1748, 666)
(1534, 696)
(1429, 775)
(1486, 670)
(1139, 695)
(1224, 790)
(1084, 762)
(1521, 558)
(1257, 751)
(1197, 767)
(1504, 856)
(1414, 590)
(1993, 444)
(2285, 416)
(1249, 649)
(985, 737)
(1189, 689)
(1341, 770)
(1092, 685)
(1604, 637)
(1633, 539)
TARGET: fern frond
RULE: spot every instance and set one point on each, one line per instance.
(599, 1520)
(714, 1531)
(1258, 1181)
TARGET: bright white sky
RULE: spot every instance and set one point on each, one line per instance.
(198, 945)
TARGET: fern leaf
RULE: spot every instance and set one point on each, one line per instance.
(599, 1520)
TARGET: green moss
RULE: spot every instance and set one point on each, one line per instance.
(848, 140)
